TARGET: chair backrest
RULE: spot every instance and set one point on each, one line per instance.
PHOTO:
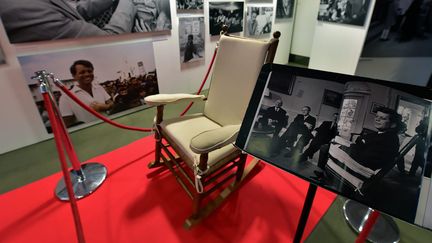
(235, 73)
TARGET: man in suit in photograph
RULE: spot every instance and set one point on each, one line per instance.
(324, 134)
(39, 20)
(303, 125)
(274, 116)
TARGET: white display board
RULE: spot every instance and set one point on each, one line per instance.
(21, 124)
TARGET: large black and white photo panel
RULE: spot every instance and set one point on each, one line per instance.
(366, 139)
(352, 12)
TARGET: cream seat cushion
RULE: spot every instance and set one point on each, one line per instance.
(182, 129)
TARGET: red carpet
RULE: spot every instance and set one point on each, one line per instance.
(129, 207)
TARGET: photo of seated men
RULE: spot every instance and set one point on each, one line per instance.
(361, 147)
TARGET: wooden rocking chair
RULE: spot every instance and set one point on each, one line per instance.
(205, 159)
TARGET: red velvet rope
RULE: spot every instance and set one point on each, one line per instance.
(116, 124)
(56, 127)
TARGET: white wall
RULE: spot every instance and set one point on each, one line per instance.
(20, 122)
(337, 47)
(304, 27)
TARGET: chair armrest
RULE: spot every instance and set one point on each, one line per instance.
(342, 141)
(208, 141)
(163, 99)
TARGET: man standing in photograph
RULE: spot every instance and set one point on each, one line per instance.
(88, 92)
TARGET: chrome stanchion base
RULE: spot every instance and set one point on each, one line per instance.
(94, 175)
(385, 229)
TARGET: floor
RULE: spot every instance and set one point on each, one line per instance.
(28, 164)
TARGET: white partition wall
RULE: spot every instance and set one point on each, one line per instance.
(20, 122)
(337, 47)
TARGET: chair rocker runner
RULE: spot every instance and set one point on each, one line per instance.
(198, 148)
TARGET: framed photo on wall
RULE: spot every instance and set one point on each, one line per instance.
(190, 6)
(226, 13)
(119, 77)
(284, 9)
(40, 20)
(191, 40)
(352, 12)
(259, 21)
(332, 98)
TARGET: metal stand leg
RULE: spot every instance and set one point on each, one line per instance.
(305, 212)
(84, 181)
(385, 229)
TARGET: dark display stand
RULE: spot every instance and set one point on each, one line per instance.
(305, 212)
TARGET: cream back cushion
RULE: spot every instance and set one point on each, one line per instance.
(235, 73)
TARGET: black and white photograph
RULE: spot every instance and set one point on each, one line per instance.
(190, 6)
(112, 79)
(399, 41)
(351, 12)
(41, 20)
(191, 40)
(259, 21)
(284, 9)
(226, 13)
(375, 158)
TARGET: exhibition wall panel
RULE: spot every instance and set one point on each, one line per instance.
(304, 27)
(337, 47)
(21, 124)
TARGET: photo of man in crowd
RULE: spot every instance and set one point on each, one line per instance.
(226, 13)
(284, 9)
(356, 146)
(111, 80)
(43, 20)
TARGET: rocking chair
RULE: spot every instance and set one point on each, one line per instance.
(198, 148)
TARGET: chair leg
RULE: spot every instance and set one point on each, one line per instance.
(158, 151)
(196, 205)
(240, 167)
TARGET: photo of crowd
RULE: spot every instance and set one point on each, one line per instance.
(40, 20)
(226, 13)
(109, 79)
(372, 153)
(352, 12)
(190, 6)
(259, 21)
(191, 39)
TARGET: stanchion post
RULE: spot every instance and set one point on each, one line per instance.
(85, 178)
(370, 219)
(310, 196)
(63, 162)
